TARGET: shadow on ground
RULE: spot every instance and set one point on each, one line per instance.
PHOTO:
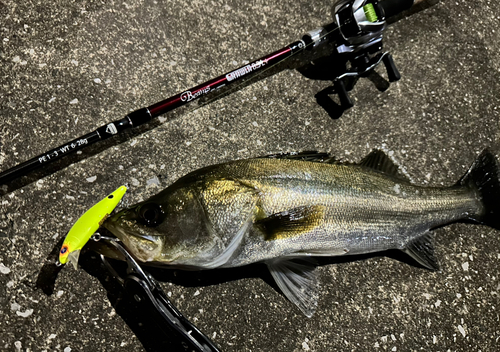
(137, 312)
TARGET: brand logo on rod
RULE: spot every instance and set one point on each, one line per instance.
(188, 95)
(245, 70)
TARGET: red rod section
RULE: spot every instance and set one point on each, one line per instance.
(219, 82)
(144, 115)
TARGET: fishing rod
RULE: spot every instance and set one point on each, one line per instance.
(357, 32)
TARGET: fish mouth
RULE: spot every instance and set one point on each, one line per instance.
(124, 229)
(144, 246)
(124, 224)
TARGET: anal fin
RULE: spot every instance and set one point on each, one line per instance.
(298, 281)
(422, 250)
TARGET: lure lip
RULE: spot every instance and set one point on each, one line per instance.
(87, 225)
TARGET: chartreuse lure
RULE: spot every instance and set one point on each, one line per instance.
(87, 225)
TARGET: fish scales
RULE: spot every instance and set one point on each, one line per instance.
(275, 210)
(359, 205)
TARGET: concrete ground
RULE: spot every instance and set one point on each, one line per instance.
(68, 67)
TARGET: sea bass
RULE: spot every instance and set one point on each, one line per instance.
(284, 210)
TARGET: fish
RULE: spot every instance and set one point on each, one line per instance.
(286, 210)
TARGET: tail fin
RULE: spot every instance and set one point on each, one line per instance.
(484, 176)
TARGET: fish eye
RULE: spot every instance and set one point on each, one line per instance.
(151, 214)
(64, 250)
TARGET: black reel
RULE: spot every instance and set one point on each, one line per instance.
(358, 49)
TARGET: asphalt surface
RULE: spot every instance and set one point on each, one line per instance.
(68, 67)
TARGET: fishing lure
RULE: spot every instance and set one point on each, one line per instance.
(87, 225)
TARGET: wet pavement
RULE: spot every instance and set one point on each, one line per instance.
(70, 67)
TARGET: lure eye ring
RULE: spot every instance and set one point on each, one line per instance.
(151, 214)
(64, 250)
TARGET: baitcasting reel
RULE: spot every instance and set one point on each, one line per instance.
(358, 32)
(356, 38)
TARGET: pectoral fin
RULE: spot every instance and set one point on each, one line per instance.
(291, 223)
(298, 281)
(422, 250)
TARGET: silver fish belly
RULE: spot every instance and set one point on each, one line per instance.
(278, 210)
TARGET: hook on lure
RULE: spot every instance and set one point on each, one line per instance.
(87, 225)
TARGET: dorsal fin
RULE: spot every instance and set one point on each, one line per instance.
(378, 160)
(310, 155)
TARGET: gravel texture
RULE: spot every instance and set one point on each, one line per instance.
(68, 67)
